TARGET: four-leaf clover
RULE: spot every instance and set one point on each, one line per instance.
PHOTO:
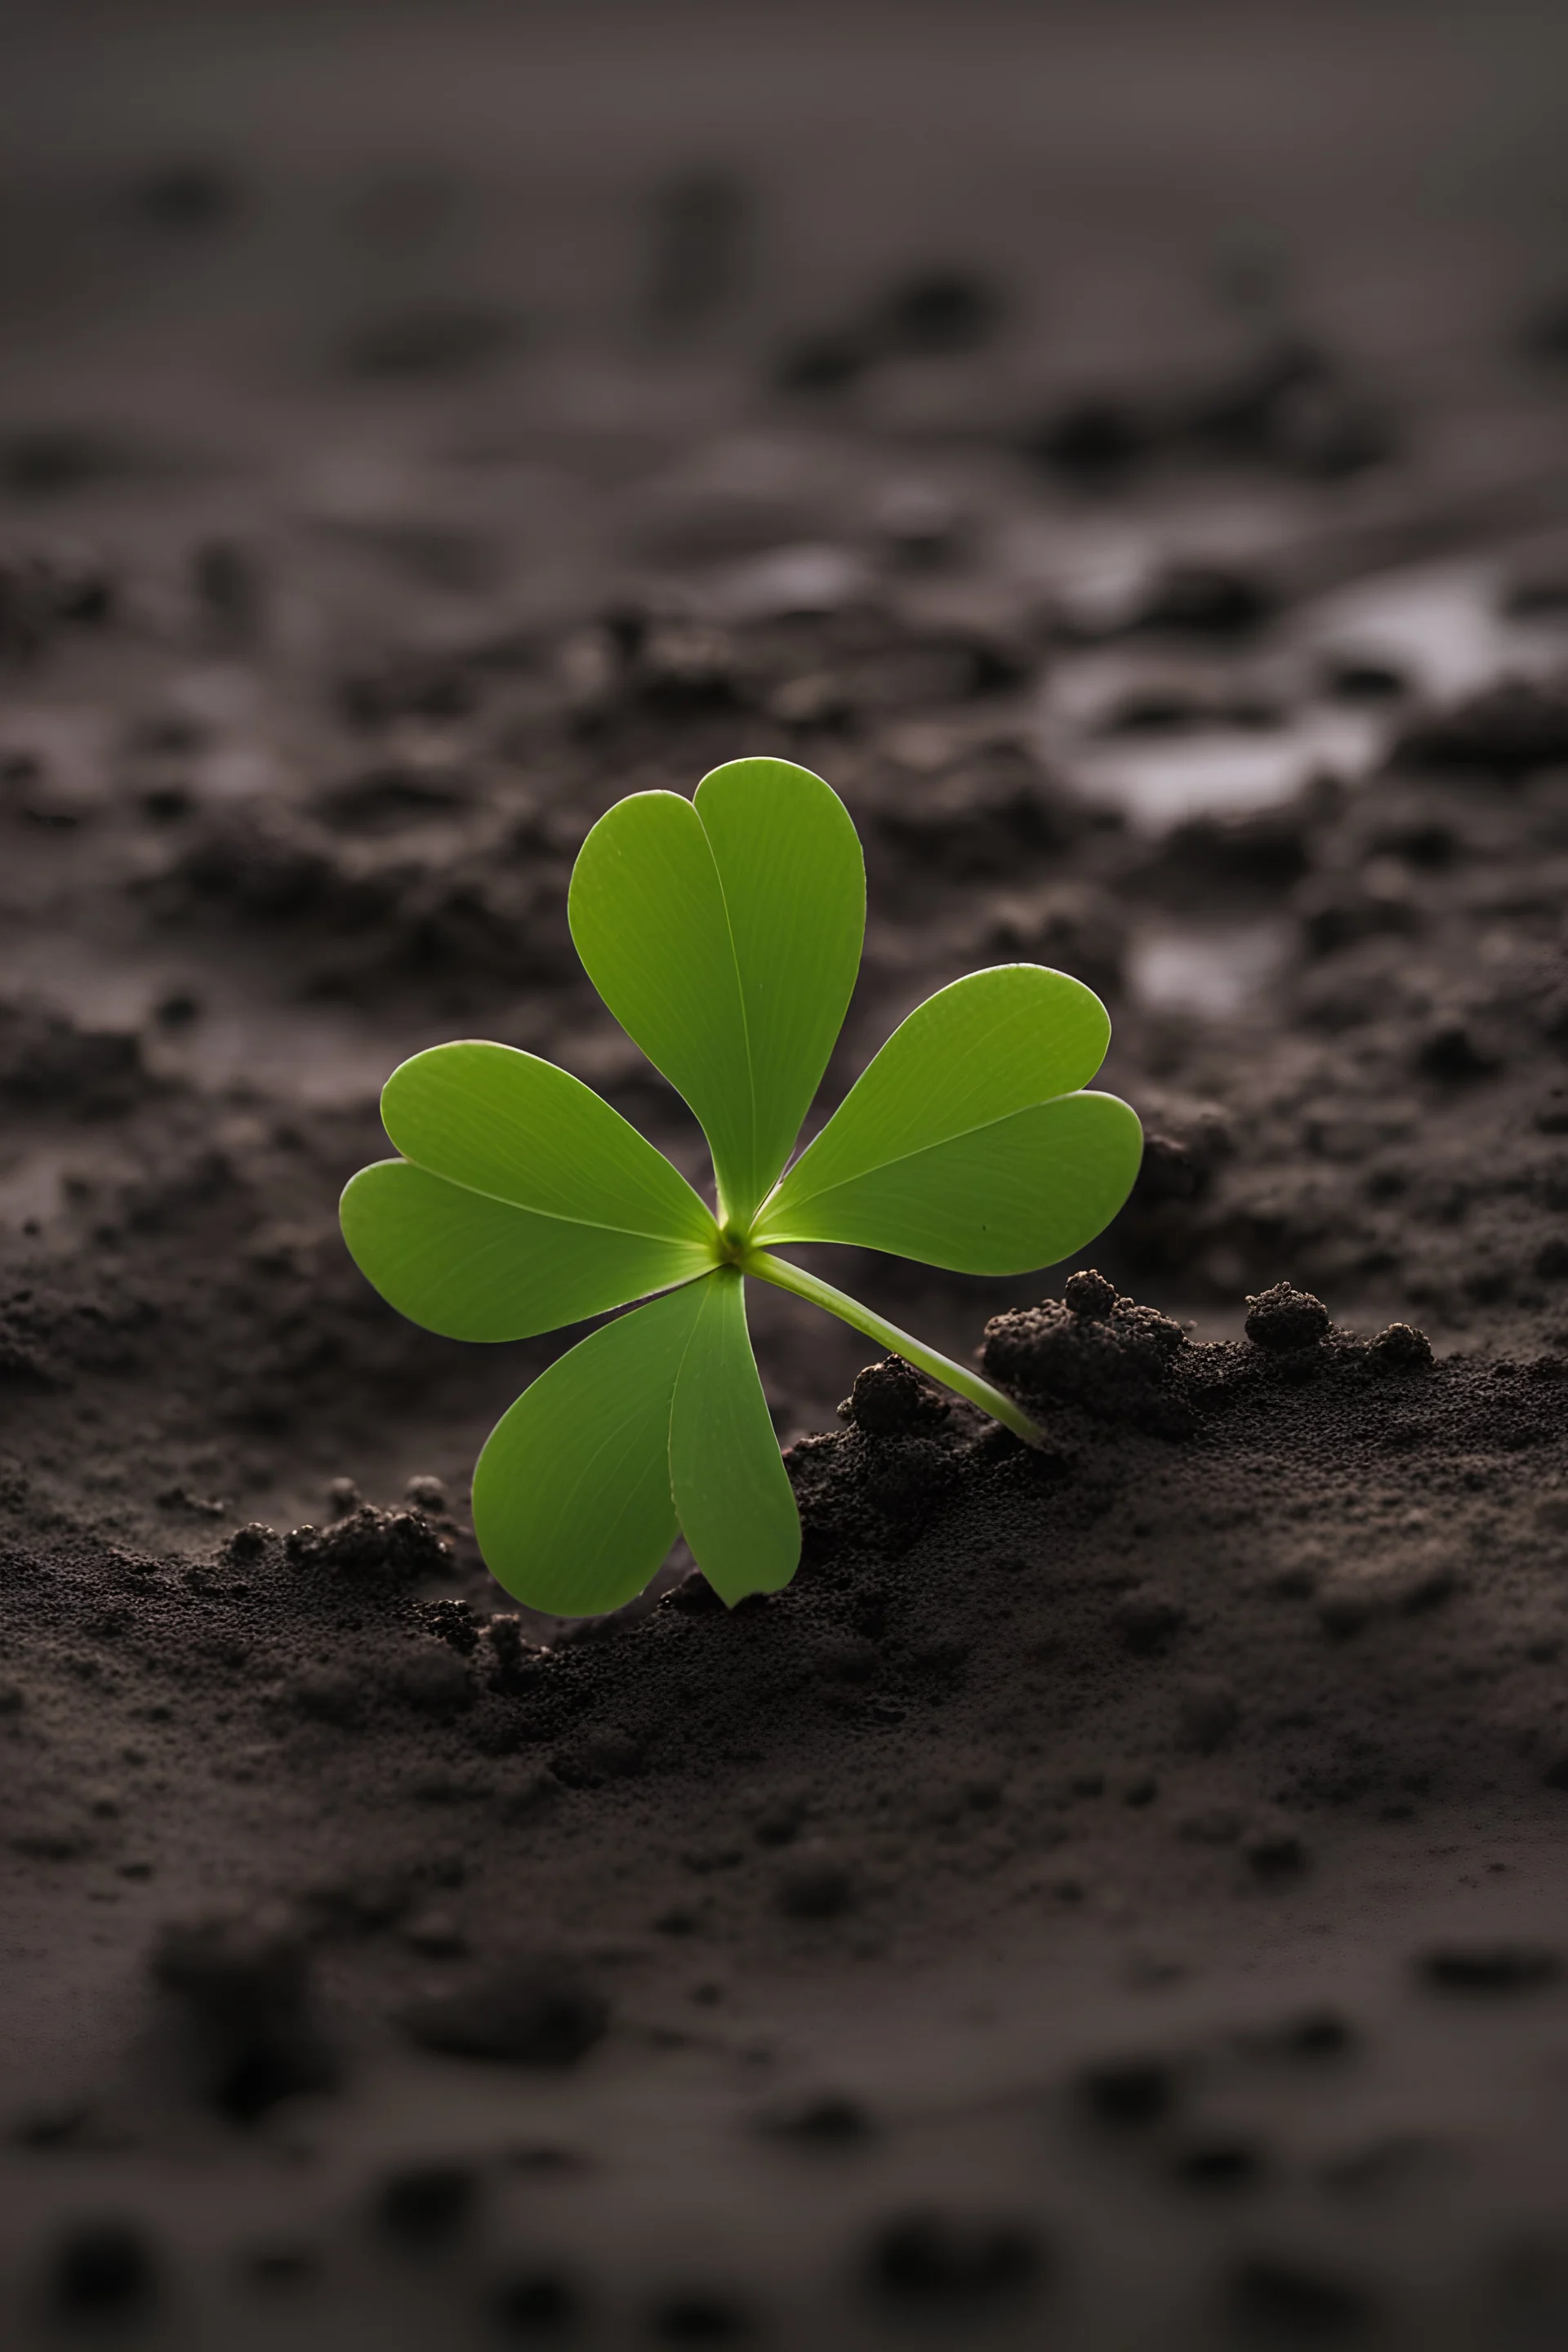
(724, 934)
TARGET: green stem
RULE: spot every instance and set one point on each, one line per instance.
(898, 1343)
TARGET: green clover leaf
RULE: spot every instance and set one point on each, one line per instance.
(724, 933)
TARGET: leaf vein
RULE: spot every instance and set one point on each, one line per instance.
(560, 1216)
(741, 1002)
(919, 1151)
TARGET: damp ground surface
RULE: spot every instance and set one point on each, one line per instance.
(1116, 1898)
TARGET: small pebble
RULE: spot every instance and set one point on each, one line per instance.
(1293, 2301)
(698, 2315)
(528, 2012)
(1282, 1319)
(1126, 2090)
(1490, 1968)
(536, 2303)
(1401, 1349)
(1089, 1293)
(943, 2259)
(104, 2266)
(1147, 1621)
(814, 1886)
(425, 2203)
(825, 2119)
(1209, 1713)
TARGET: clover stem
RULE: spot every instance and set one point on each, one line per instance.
(969, 1384)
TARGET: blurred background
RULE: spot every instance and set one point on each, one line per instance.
(273, 249)
(1114, 166)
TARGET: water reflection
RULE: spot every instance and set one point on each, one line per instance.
(1217, 970)
(1166, 733)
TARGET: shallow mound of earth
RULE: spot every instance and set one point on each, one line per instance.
(1161, 1828)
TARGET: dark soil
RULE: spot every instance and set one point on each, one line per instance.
(1115, 1899)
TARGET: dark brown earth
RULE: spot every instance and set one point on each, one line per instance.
(1116, 1899)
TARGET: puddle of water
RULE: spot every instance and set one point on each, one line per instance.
(310, 1054)
(787, 582)
(1225, 774)
(1214, 972)
(1443, 625)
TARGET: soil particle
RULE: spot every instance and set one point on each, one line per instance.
(1284, 1318)
(399, 1545)
(941, 309)
(245, 1979)
(526, 2011)
(228, 581)
(1090, 1294)
(1454, 1049)
(1506, 732)
(45, 590)
(890, 1398)
(452, 1622)
(1209, 1712)
(241, 1972)
(536, 2304)
(1315, 2033)
(513, 1652)
(984, 822)
(1288, 2298)
(247, 1544)
(49, 1062)
(1292, 403)
(1148, 1622)
(426, 2204)
(1128, 2091)
(1204, 600)
(822, 2119)
(815, 1884)
(1116, 1365)
(1223, 2164)
(435, 1936)
(1273, 1850)
(104, 2269)
(698, 2315)
(936, 2259)
(1494, 1968)
(1399, 1348)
